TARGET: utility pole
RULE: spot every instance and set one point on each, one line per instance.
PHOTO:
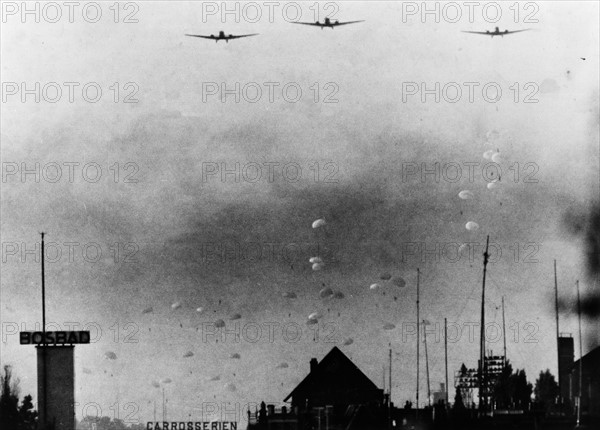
(427, 365)
(557, 335)
(446, 356)
(580, 356)
(43, 345)
(482, 381)
(504, 331)
(418, 341)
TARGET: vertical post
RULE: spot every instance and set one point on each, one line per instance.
(427, 365)
(418, 341)
(43, 345)
(390, 392)
(557, 335)
(580, 356)
(482, 382)
(504, 332)
(446, 355)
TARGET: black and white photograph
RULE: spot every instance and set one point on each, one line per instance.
(300, 215)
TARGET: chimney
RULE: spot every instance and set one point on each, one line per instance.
(313, 364)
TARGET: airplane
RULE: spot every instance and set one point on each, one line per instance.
(496, 32)
(327, 23)
(222, 36)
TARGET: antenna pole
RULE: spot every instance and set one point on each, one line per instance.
(580, 356)
(43, 345)
(557, 335)
(446, 355)
(427, 365)
(390, 393)
(418, 341)
(504, 331)
(482, 382)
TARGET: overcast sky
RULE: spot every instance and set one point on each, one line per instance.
(360, 156)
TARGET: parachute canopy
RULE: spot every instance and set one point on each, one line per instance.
(386, 276)
(389, 326)
(374, 287)
(188, 354)
(290, 295)
(110, 355)
(318, 223)
(176, 305)
(147, 310)
(283, 365)
(348, 341)
(472, 226)
(235, 356)
(465, 195)
(325, 293)
(317, 266)
(315, 260)
(219, 323)
(235, 316)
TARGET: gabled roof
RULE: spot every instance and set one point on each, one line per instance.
(335, 361)
(590, 360)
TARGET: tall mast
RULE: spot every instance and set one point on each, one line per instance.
(504, 332)
(390, 395)
(43, 345)
(418, 341)
(557, 334)
(390, 375)
(482, 381)
(427, 365)
(580, 355)
(446, 355)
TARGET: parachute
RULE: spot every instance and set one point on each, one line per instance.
(215, 378)
(219, 323)
(386, 276)
(374, 287)
(325, 293)
(488, 154)
(167, 381)
(87, 371)
(176, 305)
(389, 326)
(110, 355)
(315, 316)
(290, 295)
(235, 355)
(188, 354)
(317, 266)
(317, 260)
(235, 317)
(492, 185)
(283, 365)
(465, 195)
(496, 158)
(147, 310)
(318, 223)
(472, 226)
(155, 384)
(348, 341)
(199, 310)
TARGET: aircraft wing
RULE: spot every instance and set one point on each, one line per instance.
(241, 35)
(517, 31)
(347, 22)
(309, 23)
(485, 33)
(203, 37)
